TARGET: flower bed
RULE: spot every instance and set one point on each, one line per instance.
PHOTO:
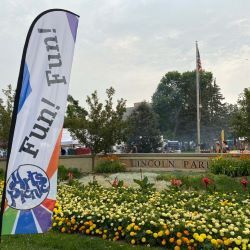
(231, 166)
(170, 218)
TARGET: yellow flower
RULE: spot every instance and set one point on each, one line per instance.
(200, 239)
(148, 232)
(178, 242)
(204, 236)
(214, 242)
(238, 242)
(227, 242)
(63, 230)
(160, 233)
(143, 239)
(133, 241)
(132, 234)
(136, 228)
(155, 235)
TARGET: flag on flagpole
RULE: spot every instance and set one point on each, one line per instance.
(198, 59)
(30, 187)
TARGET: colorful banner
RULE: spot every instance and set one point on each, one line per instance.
(41, 97)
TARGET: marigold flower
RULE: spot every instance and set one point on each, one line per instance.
(155, 235)
(171, 240)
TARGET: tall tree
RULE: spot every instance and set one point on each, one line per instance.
(99, 128)
(6, 108)
(143, 129)
(241, 118)
(175, 103)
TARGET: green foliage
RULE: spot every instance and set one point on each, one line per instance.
(230, 166)
(241, 118)
(144, 184)
(63, 173)
(106, 166)
(220, 183)
(175, 103)
(143, 129)
(2, 174)
(101, 126)
(6, 108)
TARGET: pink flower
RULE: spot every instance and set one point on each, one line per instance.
(176, 182)
(70, 175)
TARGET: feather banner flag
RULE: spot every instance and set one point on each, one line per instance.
(29, 193)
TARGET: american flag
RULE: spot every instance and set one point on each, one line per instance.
(198, 59)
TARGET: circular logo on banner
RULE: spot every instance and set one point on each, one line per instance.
(27, 187)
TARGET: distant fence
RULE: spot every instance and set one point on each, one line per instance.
(150, 162)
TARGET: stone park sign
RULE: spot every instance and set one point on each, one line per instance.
(191, 161)
(173, 163)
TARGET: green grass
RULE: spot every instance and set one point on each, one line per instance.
(221, 183)
(52, 240)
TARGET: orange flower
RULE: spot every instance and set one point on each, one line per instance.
(179, 234)
(171, 240)
(167, 232)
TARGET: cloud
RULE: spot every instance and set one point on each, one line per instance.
(132, 44)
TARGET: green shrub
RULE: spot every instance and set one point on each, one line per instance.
(144, 184)
(63, 173)
(230, 166)
(109, 165)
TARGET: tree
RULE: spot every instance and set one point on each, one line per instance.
(241, 118)
(143, 129)
(101, 127)
(6, 108)
(175, 103)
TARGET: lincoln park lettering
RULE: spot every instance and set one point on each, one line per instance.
(40, 129)
(170, 163)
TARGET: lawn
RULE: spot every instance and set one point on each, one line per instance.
(53, 240)
(193, 181)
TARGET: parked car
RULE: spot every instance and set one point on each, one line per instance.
(172, 147)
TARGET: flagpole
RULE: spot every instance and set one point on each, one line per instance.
(198, 99)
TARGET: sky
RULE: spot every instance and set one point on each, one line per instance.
(131, 44)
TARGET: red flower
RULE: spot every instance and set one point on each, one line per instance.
(176, 182)
(244, 183)
(206, 181)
